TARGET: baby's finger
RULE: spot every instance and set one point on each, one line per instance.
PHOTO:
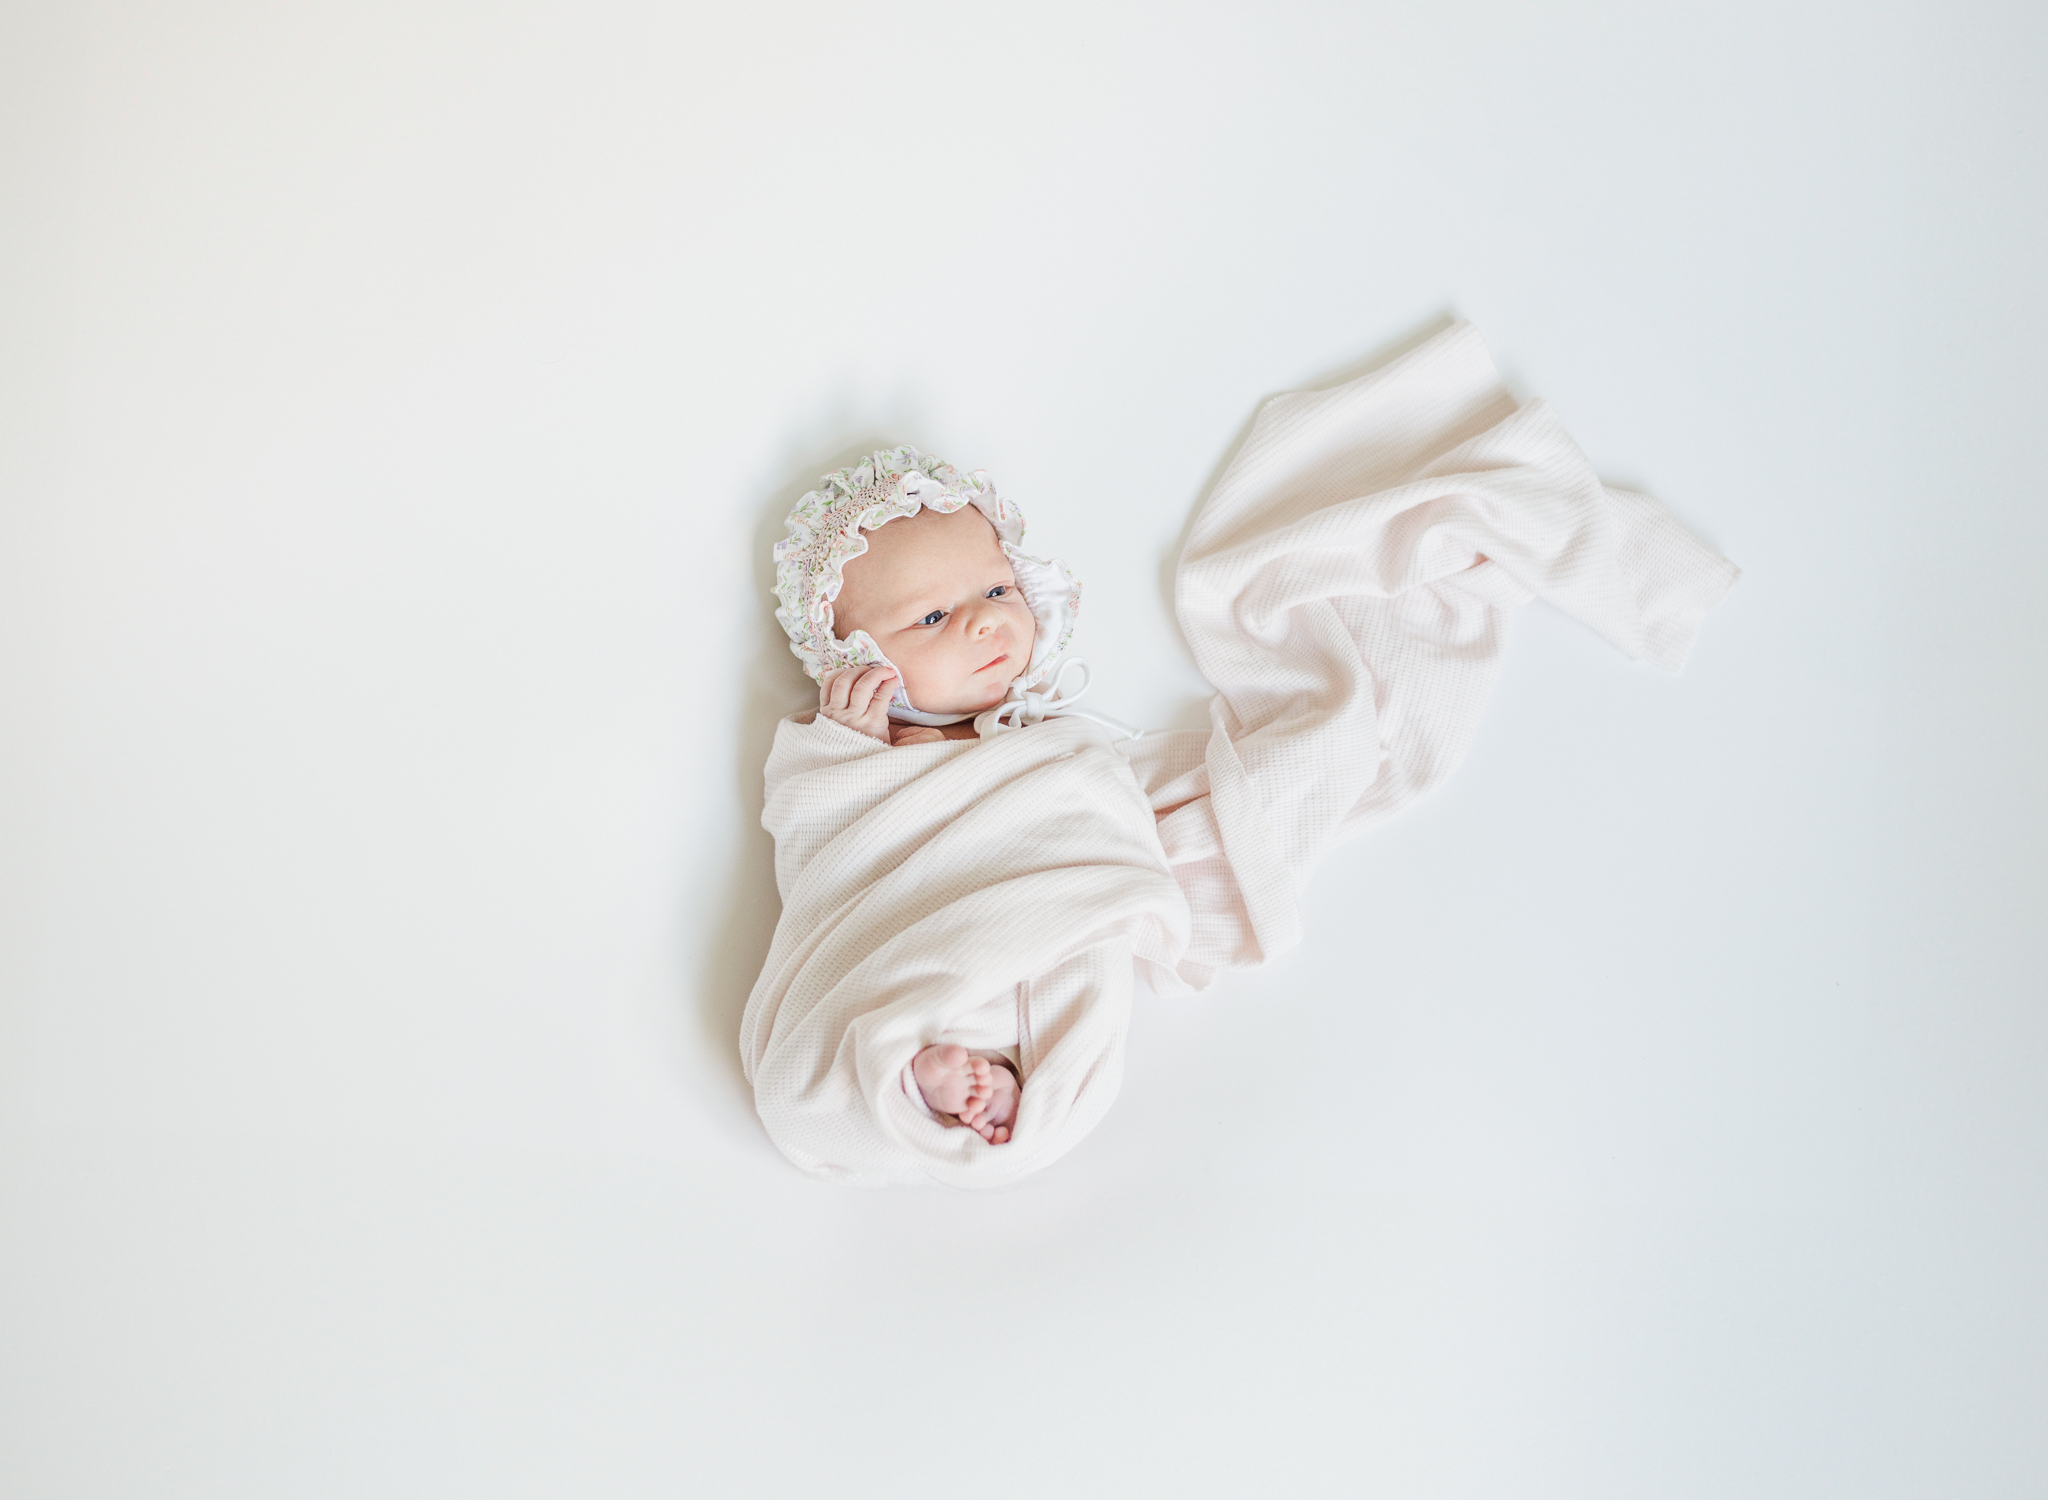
(872, 681)
(832, 690)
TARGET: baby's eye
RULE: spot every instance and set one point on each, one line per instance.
(933, 618)
(998, 591)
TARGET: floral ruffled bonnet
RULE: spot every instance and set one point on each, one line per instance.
(828, 529)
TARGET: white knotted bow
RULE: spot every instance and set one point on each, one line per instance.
(1025, 708)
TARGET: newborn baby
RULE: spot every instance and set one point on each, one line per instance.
(938, 595)
(960, 920)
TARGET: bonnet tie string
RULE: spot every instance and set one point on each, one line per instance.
(1027, 707)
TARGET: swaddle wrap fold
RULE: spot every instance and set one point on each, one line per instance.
(988, 892)
(1000, 892)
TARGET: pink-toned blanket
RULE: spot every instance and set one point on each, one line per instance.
(999, 893)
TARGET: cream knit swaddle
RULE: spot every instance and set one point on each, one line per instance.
(999, 892)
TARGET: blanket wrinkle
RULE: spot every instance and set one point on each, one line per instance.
(1344, 588)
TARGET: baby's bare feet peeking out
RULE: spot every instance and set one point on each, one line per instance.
(991, 1118)
(981, 1097)
(948, 1078)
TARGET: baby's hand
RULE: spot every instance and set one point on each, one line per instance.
(858, 697)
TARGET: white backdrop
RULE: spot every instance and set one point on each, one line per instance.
(397, 402)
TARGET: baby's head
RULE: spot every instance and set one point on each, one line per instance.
(903, 559)
(937, 595)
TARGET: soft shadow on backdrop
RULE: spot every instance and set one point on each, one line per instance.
(775, 688)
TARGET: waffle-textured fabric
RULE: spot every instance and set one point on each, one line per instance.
(999, 893)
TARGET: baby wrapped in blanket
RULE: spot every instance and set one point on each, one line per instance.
(972, 869)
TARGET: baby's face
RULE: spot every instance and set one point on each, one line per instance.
(940, 599)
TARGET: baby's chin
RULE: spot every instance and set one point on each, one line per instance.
(964, 697)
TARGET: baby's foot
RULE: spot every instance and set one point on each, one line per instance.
(950, 1080)
(991, 1118)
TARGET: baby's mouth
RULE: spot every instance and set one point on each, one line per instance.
(996, 663)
